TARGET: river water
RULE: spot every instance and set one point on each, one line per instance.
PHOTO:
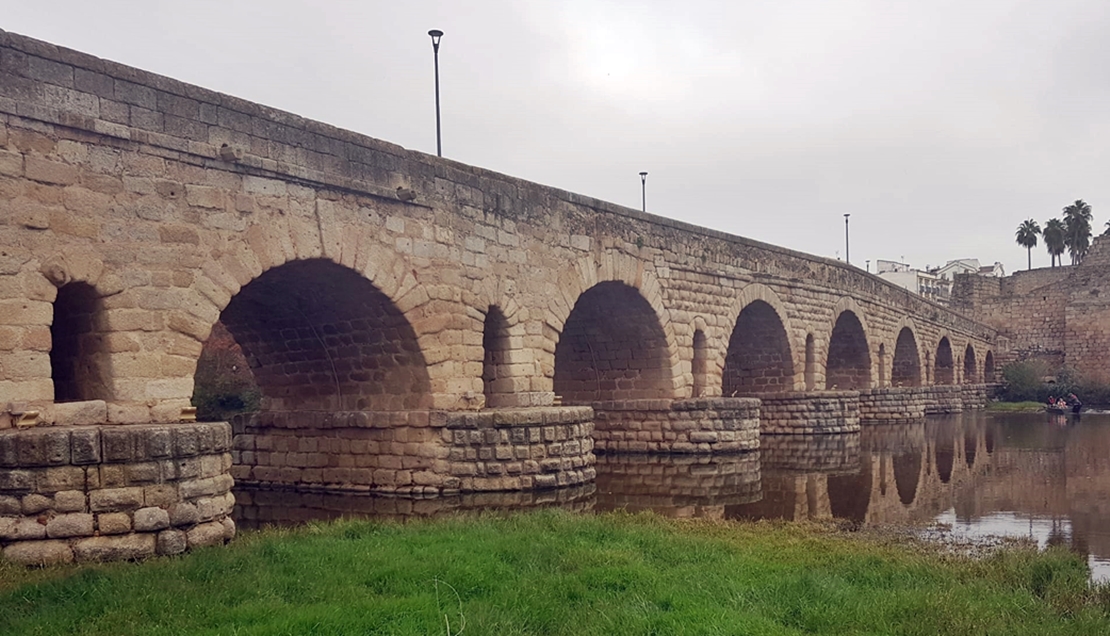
(963, 477)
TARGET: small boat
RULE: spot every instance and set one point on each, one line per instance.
(1064, 408)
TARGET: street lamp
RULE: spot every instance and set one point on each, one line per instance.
(436, 35)
(846, 259)
(643, 192)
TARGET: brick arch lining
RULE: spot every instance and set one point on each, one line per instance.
(758, 360)
(319, 336)
(906, 366)
(944, 367)
(612, 347)
(848, 364)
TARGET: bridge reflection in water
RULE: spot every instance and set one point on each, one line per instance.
(980, 474)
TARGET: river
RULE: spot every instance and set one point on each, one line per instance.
(964, 477)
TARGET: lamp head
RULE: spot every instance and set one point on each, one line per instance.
(436, 35)
(643, 176)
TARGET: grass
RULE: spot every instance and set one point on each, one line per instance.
(1015, 407)
(559, 573)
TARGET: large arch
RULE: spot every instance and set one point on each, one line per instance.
(612, 347)
(758, 359)
(944, 371)
(971, 369)
(319, 336)
(848, 365)
(906, 367)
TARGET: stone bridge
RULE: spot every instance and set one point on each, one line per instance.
(414, 324)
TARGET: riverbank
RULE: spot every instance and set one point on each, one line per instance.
(559, 573)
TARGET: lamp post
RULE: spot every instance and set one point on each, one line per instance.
(643, 192)
(436, 35)
(846, 259)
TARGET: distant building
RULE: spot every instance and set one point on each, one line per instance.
(934, 283)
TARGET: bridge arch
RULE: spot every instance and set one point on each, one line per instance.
(971, 369)
(906, 365)
(848, 363)
(615, 302)
(944, 367)
(319, 336)
(759, 358)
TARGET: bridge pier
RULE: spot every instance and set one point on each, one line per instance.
(106, 493)
(701, 425)
(814, 412)
(415, 452)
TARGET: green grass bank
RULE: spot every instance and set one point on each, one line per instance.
(560, 573)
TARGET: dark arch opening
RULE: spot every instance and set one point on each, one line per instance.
(969, 448)
(497, 381)
(850, 495)
(811, 363)
(988, 367)
(882, 364)
(700, 363)
(77, 352)
(906, 367)
(612, 348)
(318, 336)
(907, 472)
(758, 359)
(849, 362)
(971, 369)
(945, 369)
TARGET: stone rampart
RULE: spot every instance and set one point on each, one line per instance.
(810, 413)
(101, 493)
(702, 425)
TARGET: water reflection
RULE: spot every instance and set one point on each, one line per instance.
(677, 485)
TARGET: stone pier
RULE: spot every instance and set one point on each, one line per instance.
(704, 425)
(815, 412)
(105, 493)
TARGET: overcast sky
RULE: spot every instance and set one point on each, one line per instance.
(939, 125)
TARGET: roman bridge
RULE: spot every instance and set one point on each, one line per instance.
(414, 324)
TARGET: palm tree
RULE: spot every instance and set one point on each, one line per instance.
(1027, 237)
(1106, 232)
(1054, 238)
(1077, 230)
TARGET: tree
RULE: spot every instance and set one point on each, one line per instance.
(1027, 237)
(1054, 239)
(1106, 232)
(1077, 230)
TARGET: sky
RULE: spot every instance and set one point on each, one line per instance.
(939, 125)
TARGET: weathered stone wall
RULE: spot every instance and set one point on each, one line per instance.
(703, 425)
(415, 452)
(168, 200)
(107, 493)
(810, 413)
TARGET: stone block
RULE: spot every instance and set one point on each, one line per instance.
(151, 519)
(36, 503)
(160, 495)
(211, 533)
(80, 413)
(16, 481)
(58, 478)
(77, 524)
(115, 548)
(10, 505)
(25, 529)
(85, 446)
(113, 523)
(171, 542)
(116, 499)
(118, 444)
(39, 553)
(184, 514)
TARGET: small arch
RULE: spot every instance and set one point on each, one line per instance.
(848, 365)
(944, 368)
(988, 367)
(700, 366)
(78, 355)
(496, 378)
(811, 363)
(971, 370)
(758, 359)
(906, 366)
(882, 364)
(612, 347)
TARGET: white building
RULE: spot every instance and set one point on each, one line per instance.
(969, 266)
(928, 284)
